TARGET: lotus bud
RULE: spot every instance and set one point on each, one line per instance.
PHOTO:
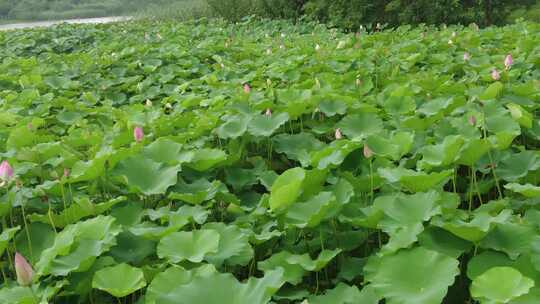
(282, 47)
(508, 61)
(268, 51)
(466, 56)
(358, 82)
(379, 26)
(268, 112)
(148, 103)
(222, 65)
(226, 45)
(450, 42)
(168, 106)
(138, 134)
(454, 34)
(282, 35)
(368, 153)
(495, 74)
(24, 271)
(341, 44)
(317, 47)
(247, 88)
(66, 172)
(472, 120)
(338, 134)
(6, 172)
(268, 82)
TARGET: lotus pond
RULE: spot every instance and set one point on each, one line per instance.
(265, 162)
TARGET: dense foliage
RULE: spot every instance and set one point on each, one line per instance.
(269, 162)
(351, 14)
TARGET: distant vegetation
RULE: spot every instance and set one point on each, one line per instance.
(346, 14)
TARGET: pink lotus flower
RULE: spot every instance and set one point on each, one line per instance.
(338, 134)
(138, 134)
(6, 172)
(472, 121)
(368, 153)
(247, 88)
(508, 61)
(268, 112)
(495, 74)
(66, 172)
(24, 271)
(466, 56)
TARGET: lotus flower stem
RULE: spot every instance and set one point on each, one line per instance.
(27, 233)
(476, 186)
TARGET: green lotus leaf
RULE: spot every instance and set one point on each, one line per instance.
(41, 237)
(472, 151)
(492, 91)
(443, 154)
(120, 280)
(334, 154)
(163, 150)
(394, 147)
(295, 266)
(91, 169)
(311, 212)
(225, 289)
(131, 248)
(18, 295)
(6, 236)
(524, 118)
(76, 247)
(167, 281)
(286, 189)
(234, 247)
(193, 246)
(526, 190)
(266, 125)
(20, 137)
(500, 285)
(476, 228)
(442, 241)
(513, 239)
(415, 181)
(488, 259)
(76, 211)
(81, 282)
(147, 176)
(516, 166)
(205, 159)
(332, 107)
(398, 105)
(344, 294)
(155, 232)
(297, 146)
(412, 276)
(234, 126)
(195, 193)
(359, 126)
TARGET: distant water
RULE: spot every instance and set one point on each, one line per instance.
(71, 21)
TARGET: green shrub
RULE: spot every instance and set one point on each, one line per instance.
(282, 9)
(234, 10)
